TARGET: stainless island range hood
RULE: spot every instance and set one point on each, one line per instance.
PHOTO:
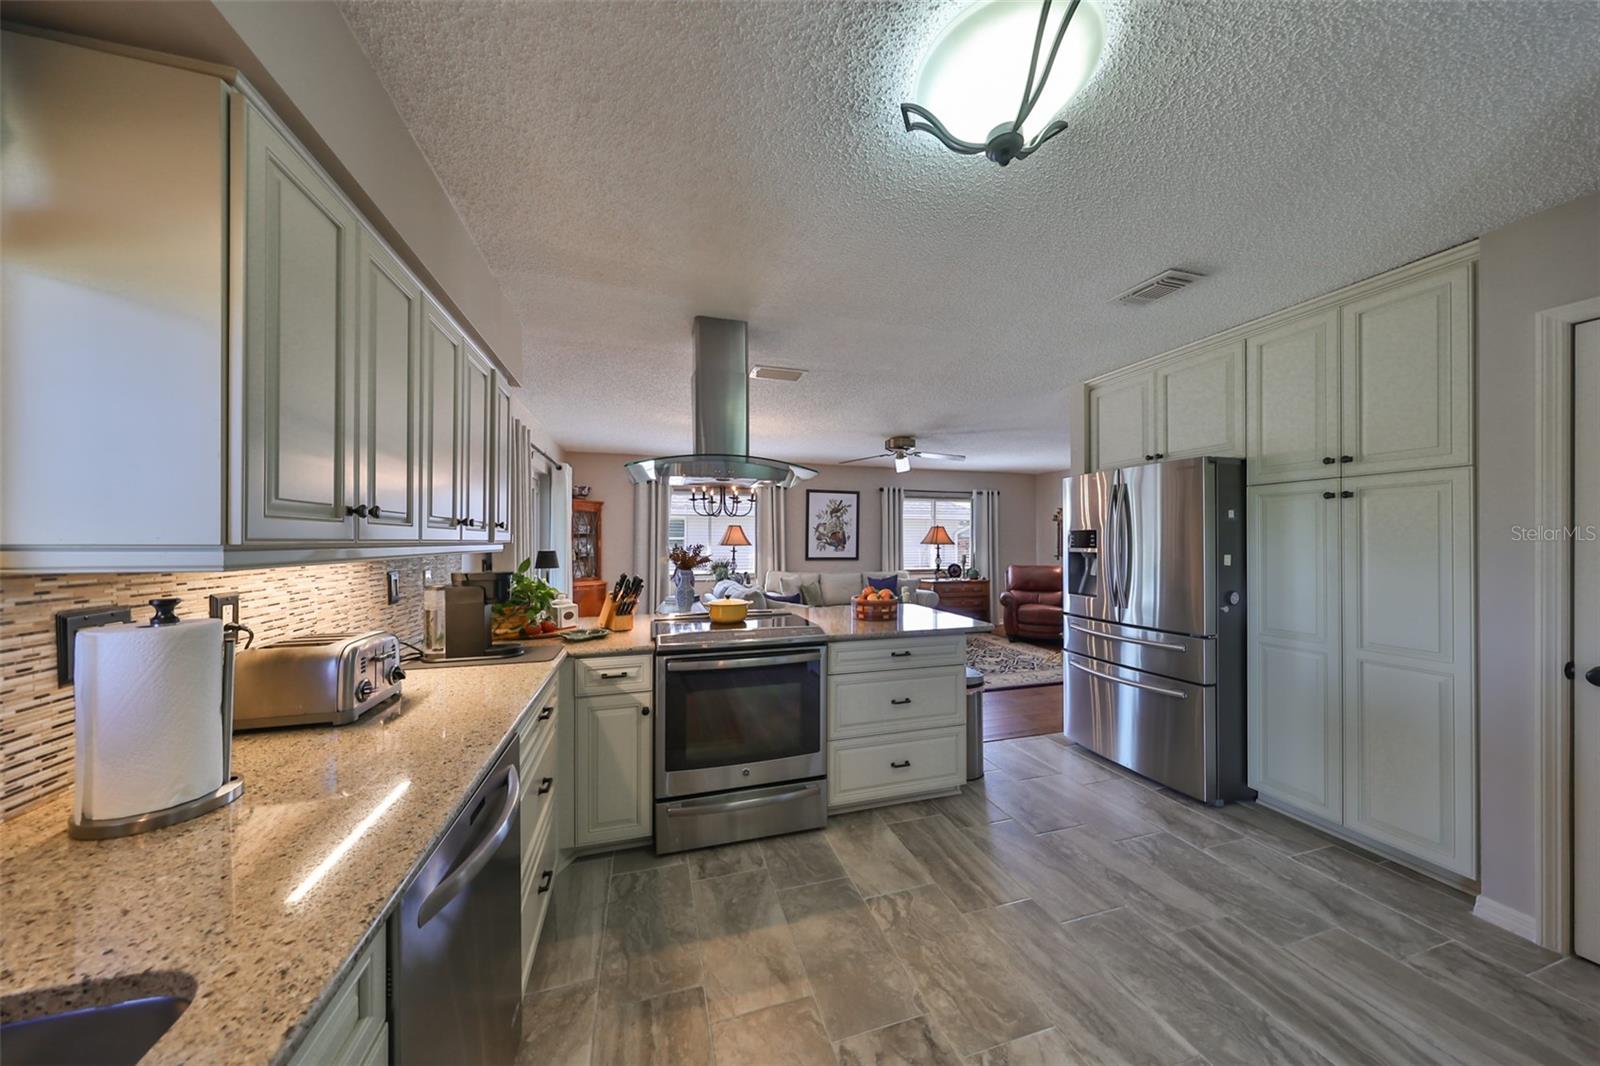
(721, 386)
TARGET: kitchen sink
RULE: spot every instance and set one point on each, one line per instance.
(115, 1034)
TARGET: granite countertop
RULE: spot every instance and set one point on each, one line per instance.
(203, 908)
(838, 624)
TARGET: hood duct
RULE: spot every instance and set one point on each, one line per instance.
(721, 387)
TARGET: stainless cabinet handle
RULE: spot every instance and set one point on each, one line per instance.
(1163, 645)
(901, 765)
(451, 886)
(544, 785)
(902, 701)
(1174, 693)
(544, 881)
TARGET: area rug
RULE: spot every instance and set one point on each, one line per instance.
(1007, 665)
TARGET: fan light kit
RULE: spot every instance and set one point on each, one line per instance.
(972, 78)
(903, 450)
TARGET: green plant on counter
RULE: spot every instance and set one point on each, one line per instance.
(529, 593)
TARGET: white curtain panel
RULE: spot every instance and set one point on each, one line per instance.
(891, 499)
(651, 503)
(561, 526)
(772, 523)
(986, 542)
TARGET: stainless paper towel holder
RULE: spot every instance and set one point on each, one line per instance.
(232, 784)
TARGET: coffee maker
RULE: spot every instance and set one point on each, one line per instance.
(458, 618)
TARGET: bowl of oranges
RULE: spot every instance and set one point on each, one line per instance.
(875, 605)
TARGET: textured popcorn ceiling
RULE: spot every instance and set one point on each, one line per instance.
(626, 166)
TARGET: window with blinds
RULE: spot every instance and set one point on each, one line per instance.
(686, 527)
(918, 514)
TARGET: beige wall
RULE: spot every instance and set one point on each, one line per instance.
(304, 60)
(1540, 262)
(1046, 501)
(1018, 535)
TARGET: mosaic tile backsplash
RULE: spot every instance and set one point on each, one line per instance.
(36, 714)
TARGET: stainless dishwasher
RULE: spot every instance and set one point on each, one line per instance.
(457, 985)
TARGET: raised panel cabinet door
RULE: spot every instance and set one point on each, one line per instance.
(1119, 422)
(1292, 409)
(1294, 720)
(501, 518)
(1199, 404)
(1409, 732)
(300, 248)
(388, 397)
(477, 416)
(444, 354)
(1406, 400)
(613, 784)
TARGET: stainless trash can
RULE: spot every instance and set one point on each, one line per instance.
(974, 724)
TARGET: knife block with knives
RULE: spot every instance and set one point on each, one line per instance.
(617, 612)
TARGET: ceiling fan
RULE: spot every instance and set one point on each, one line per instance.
(902, 449)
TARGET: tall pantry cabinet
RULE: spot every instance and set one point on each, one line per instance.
(1361, 680)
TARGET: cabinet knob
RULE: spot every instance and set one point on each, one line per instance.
(462, 522)
(1346, 494)
(1327, 495)
(499, 525)
(359, 510)
(374, 511)
(1328, 460)
(544, 881)
(901, 765)
(1148, 457)
(1161, 455)
(1592, 675)
(644, 712)
(544, 785)
(1347, 458)
(545, 714)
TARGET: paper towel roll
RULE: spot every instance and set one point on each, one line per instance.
(149, 716)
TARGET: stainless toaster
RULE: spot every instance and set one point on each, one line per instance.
(318, 679)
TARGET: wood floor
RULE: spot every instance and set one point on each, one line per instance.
(1058, 911)
(1021, 712)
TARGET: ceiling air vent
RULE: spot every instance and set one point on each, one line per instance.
(1163, 284)
(775, 373)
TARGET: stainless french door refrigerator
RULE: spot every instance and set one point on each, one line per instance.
(1155, 627)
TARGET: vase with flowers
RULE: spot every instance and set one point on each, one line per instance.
(686, 559)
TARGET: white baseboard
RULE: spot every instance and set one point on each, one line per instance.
(1508, 918)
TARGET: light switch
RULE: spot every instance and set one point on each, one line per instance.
(1230, 512)
(1227, 559)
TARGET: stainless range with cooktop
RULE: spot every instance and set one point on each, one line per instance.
(739, 729)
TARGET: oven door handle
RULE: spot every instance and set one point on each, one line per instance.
(681, 666)
(718, 805)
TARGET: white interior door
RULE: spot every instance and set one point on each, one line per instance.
(1586, 641)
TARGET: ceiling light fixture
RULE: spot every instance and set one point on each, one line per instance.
(968, 77)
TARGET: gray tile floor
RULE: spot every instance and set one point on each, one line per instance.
(1059, 911)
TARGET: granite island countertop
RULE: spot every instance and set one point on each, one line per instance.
(837, 623)
(203, 908)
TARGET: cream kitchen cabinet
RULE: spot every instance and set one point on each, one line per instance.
(1121, 414)
(502, 435)
(1200, 403)
(1294, 562)
(444, 360)
(1361, 704)
(477, 416)
(613, 790)
(301, 246)
(388, 397)
(1380, 382)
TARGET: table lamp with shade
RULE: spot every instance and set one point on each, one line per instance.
(938, 536)
(734, 537)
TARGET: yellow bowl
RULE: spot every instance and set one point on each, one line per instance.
(727, 612)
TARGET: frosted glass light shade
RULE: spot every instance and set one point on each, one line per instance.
(973, 76)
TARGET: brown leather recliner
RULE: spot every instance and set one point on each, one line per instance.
(1032, 602)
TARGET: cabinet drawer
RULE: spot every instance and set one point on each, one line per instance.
(537, 878)
(539, 721)
(352, 1023)
(862, 704)
(859, 656)
(607, 677)
(538, 791)
(884, 767)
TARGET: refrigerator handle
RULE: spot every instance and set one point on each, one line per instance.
(1125, 550)
(1109, 562)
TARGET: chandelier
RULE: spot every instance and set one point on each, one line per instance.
(727, 501)
(968, 77)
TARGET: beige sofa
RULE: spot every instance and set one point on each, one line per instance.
(837, 588)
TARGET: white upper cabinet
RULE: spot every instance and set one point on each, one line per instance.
(1199, 404)
(1409, 732)
(444, 358)
(1120, 416)
(1407, 375)
(388, 396)
(501, 517)
(477, 415)
(1294, 708)
(301, 244)
(1293, 372)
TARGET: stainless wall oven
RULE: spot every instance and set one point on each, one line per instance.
(739, 745)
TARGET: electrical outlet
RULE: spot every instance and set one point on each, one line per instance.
(394, 586)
